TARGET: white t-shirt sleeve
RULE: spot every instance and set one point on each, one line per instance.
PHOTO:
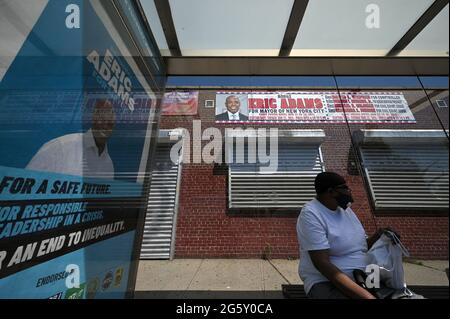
(311, 232)
(45, 158)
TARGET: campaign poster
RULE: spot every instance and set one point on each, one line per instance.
(180, 103)
(75, 129)
(312, 107)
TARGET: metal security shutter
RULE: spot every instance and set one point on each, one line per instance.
(160, 218)
(407, 176)
(291, 186)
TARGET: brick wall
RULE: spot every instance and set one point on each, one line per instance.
(205, 229)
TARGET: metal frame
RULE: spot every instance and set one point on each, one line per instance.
(321, 159)
(140, 60)
(308, 66)
(421, 23)
(295, 20)
(146, 25)
(368, 179)
(111, 9)
(230, 199)
(177, 197)
(165, 16)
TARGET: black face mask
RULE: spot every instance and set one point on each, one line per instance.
(344, 200)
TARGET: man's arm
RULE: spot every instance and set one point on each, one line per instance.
(348, 287)
(372, 239)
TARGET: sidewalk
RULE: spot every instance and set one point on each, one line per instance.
(246, 278)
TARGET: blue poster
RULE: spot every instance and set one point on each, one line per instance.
(75, 120)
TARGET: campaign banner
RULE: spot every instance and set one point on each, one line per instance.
(75, 134)
(312, 107)
(180, 103)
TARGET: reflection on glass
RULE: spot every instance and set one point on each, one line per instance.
(408, 172)
(405, 163)
(440, 101)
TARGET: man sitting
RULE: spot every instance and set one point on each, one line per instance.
(332, 242)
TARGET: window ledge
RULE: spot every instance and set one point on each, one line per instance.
(375, 136)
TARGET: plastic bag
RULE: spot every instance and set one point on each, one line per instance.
(387, 252)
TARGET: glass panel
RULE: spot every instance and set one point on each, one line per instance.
(434, 82)
(433, 40)
(439, 98)
(143, 39)
(209, 183)
(232, 27)
(76, 109)
(130, 13)
(14, 29)
(402, 152)
(437, 91)
(206, 185)
(339, 28)
(359, 82)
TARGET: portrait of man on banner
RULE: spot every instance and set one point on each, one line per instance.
(81, 154)
(231, 107)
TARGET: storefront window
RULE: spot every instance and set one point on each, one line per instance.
(405, 169)
(402, 146)
(289, 184)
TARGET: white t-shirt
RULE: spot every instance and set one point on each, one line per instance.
(73, 154)
(339, 231)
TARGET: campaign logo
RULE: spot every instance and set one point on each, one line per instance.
(118, 277)
(75, 293)
(56, 296)
(92, 288)
(107, 281)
